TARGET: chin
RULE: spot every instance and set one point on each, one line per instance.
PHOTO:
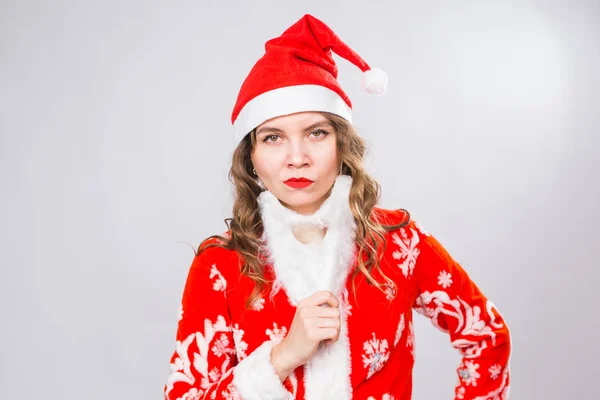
(299, 201)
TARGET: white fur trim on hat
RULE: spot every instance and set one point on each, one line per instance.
(288, 100)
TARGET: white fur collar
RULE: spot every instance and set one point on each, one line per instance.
(304, 269)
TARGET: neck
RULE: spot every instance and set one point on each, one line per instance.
(307, 234)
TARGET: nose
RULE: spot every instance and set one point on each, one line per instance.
(298, 155)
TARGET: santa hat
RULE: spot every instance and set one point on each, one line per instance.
(297, 73)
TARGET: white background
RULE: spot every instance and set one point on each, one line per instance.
(116, 142)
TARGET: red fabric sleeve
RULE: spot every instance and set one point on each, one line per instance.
(208, 362)
(455, 305)
(205, 352)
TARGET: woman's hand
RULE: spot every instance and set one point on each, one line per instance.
(317, 319)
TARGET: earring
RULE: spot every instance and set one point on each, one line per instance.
(258, 181)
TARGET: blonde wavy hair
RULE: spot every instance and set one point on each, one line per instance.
(245, 229)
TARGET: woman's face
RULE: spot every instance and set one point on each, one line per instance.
(301, 145)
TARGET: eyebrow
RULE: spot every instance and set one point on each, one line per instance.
(311, 127)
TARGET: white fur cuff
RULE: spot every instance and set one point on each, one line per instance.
(255, 377)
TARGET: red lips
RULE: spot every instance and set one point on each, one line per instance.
(299, 180)
(298, 183)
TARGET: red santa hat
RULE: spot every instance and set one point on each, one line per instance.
(297, 73)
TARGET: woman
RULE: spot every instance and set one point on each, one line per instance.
(310, 292)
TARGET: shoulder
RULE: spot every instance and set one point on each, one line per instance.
(400, 221)
(391, 217)
(212, 254)
(403, 228)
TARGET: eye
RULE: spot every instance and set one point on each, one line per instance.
(319, 133)
(266, 138)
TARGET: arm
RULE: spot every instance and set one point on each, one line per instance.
(455, 305)
(205, 363)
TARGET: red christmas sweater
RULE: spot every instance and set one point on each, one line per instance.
(223, 348)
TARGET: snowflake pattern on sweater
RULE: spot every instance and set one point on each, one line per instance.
(222, 348)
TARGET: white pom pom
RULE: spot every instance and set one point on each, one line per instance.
(374, 81)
